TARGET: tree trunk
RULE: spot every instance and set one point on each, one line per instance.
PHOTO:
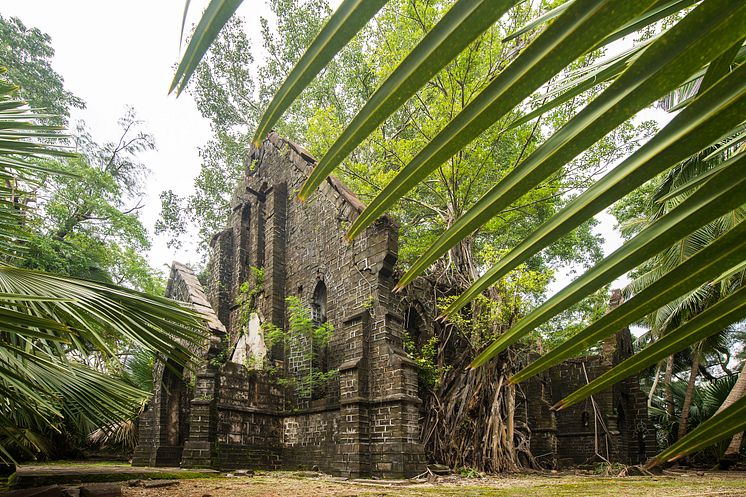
(669, 393)
(684, 418)
(654, 386)
(733, 452)
(738, 390)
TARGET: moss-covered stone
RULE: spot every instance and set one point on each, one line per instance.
(27, 477)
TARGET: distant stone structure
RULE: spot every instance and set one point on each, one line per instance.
(234, 413)
(611, 425)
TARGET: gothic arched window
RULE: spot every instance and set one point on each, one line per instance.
(318, 304)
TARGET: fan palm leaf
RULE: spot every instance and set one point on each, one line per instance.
(47, 320)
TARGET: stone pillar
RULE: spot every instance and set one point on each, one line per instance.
(144, 452)
(353, 456)
(396, 450)
(243, 215)
(221, 275)
(199, 449)
(541, 420)
(275, 236)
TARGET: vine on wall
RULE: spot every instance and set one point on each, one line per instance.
(302, 335)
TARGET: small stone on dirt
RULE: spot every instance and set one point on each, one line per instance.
(159, 483)
(439, 469)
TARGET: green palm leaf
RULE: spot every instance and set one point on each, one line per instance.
(579, 29)
(691, 184)
(702, 267)
(720, 195)
(46, 320)
(347, 20)
(91, 311)
(461, 25)
(576, 84)
(216, 15)
(730, 421)
(658, 70)
(545, 17)
(703, 122)
(709, 322)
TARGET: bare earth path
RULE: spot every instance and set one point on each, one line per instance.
(282, 484)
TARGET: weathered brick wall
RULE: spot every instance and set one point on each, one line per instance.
(577, 428)
(299, 245)
(310, 439)
(637, 433)
(617, 427)
(249, 419)
(366, 422)
(541, 420)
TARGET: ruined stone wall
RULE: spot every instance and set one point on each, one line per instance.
(541, 420)
(310, 440)
(577, 426)
(366, 422)
(611, 425)
(176, 424)
(249, 420)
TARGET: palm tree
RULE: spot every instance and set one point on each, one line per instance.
(709, 396)
(673, 188)
(695, 62)
(48, 322)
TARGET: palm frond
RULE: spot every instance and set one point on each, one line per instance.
(46, 321)
(692, 64)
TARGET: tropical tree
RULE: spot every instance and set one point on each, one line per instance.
(708, 398)
(50, 322)
(27, 53)
(88, 223)
(738, 392)
(671, 189)
(697, 41)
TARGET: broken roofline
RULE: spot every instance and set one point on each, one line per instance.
(305, 162)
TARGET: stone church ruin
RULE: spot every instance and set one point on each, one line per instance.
(240, 408)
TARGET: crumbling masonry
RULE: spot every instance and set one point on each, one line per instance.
(236, 412)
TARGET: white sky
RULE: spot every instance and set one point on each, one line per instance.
(114, 54)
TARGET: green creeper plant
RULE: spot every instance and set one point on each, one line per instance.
(309, 339)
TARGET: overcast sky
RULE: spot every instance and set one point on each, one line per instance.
(114, 54)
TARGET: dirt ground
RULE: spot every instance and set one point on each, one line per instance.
(282, 484)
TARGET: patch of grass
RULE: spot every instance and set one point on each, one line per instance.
(597, 487)
(41, 478)
(77, 462)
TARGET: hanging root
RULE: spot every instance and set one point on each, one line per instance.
(470, 420)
